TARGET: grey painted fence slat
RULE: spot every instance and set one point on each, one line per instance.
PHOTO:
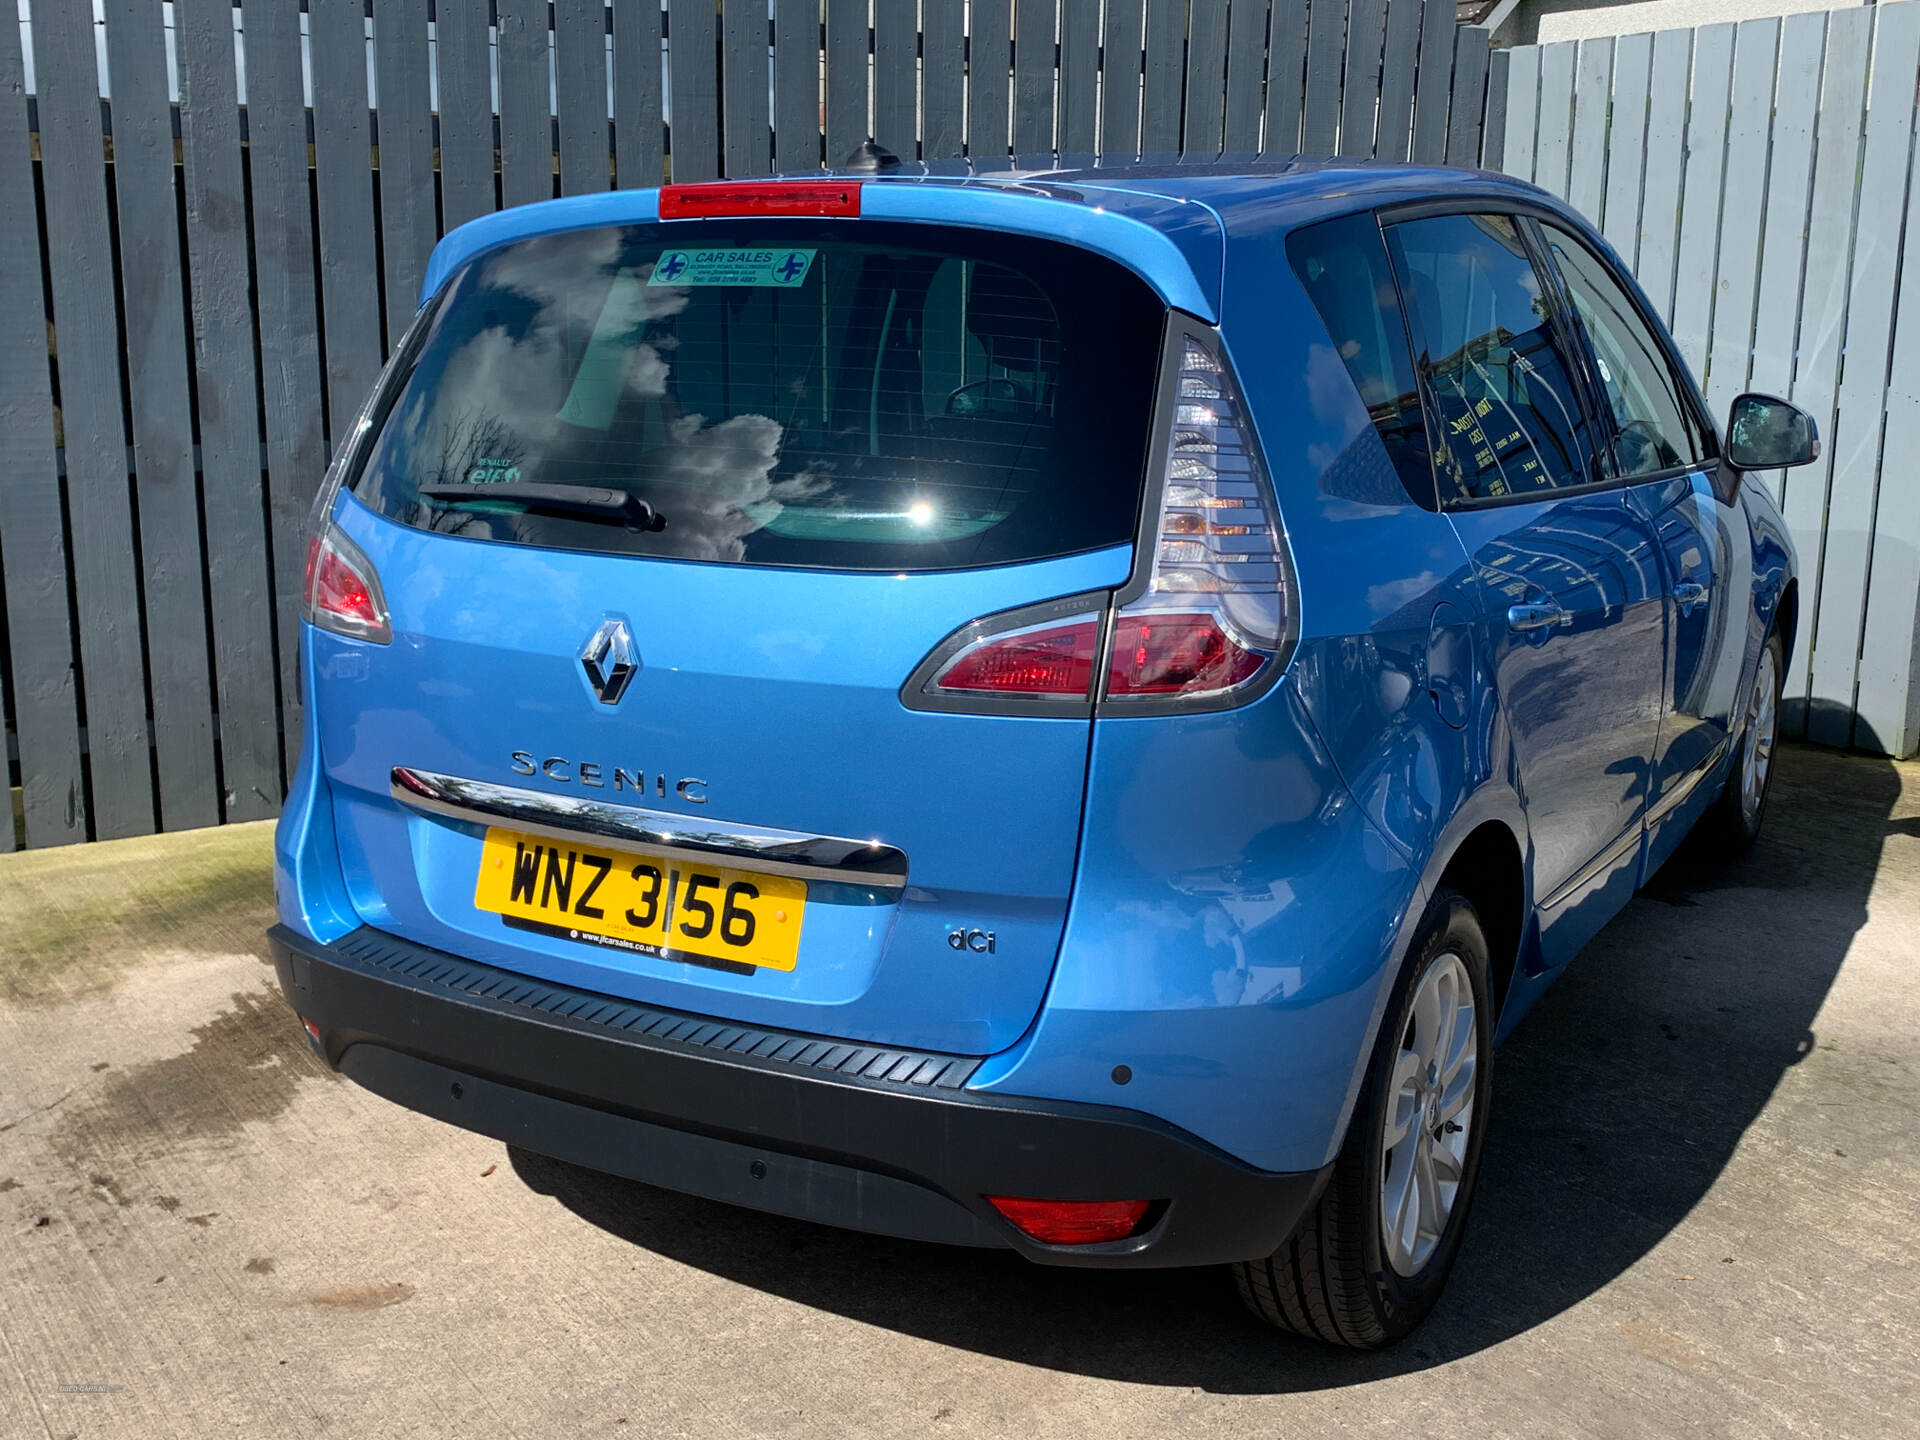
(1326, 53)
(989, 58)
(1287, 75)
(895, 111)
(1863, 381)
(1471, 58)
(748, 124)
(796, 83)
(46, 718)
(943, 79)
(1203, 133)
(289, 321)
(1666, 164)
(1749, 121)
(87, 338)
(846, 74)
(1783, 246)
(1120, 79)
(1693, 266)
(349, 304)
(638, 125)
(1033, 77)
(239, 583)
(580, 93)
(1823, 315)
(526, 116)
(1360, 97)
(1889, 682)
(1587, 152)
(1431, 89)
(463, 59)
(408, 227)
(1627, 143)
(1523, 112)
(1161, 77)
(1079, 118)
(1553, 151)
(1493, 136)
(1246, 72)
(156, 340)
(1399, 69)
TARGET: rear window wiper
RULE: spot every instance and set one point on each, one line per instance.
(592, 502)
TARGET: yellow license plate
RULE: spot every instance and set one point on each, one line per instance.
(646, 904)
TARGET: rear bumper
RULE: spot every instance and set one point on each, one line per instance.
(868, 1139)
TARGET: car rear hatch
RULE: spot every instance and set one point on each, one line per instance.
(661, 518)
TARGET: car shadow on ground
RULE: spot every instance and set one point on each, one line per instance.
(1617, 1105)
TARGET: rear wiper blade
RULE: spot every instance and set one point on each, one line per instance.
(588, 501)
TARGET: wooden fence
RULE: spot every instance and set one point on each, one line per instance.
(224, 248)
(1759, 178)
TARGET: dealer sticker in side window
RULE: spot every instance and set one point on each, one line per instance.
(734, 265)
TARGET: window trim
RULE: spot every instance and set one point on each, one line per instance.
(1688, 390)
(1528, 216)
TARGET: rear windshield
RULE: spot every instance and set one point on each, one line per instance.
(776, 393)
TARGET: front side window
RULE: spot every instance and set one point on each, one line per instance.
(1654, 423)
(796, 393)
(1503, 405)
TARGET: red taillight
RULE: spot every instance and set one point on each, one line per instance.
(1052, 660)
(342, 591)
(1072, 1222)
(786, 197)
(1176, 653)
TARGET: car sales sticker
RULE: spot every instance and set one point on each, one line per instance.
(734, 265)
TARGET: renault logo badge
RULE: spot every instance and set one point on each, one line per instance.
(609, 660)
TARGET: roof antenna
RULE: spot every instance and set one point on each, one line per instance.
(869, 158)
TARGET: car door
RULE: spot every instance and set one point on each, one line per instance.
(1663, 447)
(1567, 574)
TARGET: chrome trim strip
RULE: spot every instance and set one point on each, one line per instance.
(1605, 860)
(1650, 817)
(866, 863)
(1676, 794)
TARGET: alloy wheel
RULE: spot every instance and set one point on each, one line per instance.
(1756, 760)
(1430, 1116)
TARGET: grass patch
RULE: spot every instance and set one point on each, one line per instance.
(74, 919)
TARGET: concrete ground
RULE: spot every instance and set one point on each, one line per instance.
(1699, 1212)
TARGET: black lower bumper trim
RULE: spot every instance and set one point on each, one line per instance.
(752, 1129)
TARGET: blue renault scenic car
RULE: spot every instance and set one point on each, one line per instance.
(1064, 711)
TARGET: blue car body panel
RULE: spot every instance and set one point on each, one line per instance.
(1199, 916)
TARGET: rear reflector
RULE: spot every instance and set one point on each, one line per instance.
(1174, 653)
(787, 197)
(1047, 660)
(1072, 1222)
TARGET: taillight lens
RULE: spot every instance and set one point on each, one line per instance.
(1045, 660)
(1217, 607)
(343, 590)
(1174, 653)
(1072, 1222)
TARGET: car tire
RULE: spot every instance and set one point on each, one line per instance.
(1344, 1277)
(1733, 825)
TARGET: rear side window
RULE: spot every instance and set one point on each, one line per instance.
(782, 394)
(1655, 428)
(1508, 416)
(1342, 265)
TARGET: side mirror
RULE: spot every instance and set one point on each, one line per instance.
(1765, 432)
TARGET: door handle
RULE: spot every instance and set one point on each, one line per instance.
(1538, 617)
(1689, 593)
